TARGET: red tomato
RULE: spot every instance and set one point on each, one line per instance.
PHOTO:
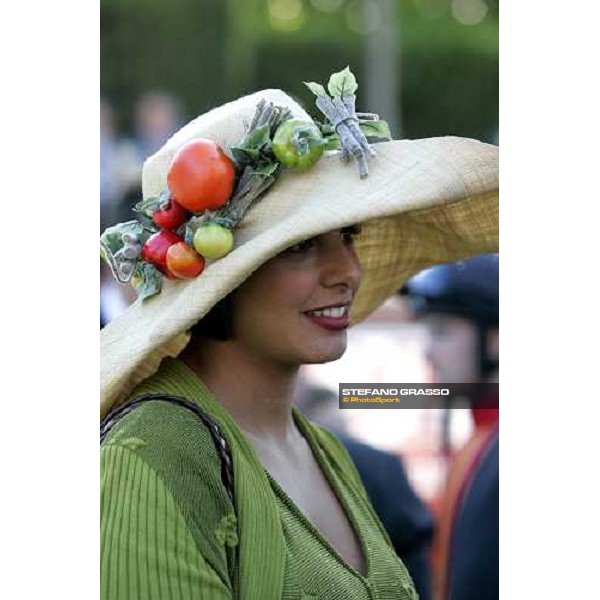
(170, 217)
(184, 262)
(155, 250)
(201, 176)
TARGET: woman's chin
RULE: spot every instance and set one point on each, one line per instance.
(326, 354)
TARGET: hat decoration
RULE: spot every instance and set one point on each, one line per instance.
(209, 188)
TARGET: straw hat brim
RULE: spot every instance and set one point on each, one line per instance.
(425, 202)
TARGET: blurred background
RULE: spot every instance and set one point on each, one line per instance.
(429, 67)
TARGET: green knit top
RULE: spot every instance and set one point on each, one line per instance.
(169, 530)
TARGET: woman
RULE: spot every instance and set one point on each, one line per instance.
(296, 522)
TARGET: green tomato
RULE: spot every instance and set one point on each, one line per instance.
(298, 144)
(213, 241)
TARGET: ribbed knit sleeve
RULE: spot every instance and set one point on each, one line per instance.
(147, 551)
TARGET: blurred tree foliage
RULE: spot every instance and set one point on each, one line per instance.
(211, 51)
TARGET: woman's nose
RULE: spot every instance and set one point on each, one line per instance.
(341, 267)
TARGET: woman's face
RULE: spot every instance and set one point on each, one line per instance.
(294, 309)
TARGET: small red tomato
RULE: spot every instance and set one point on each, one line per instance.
(155, 250)
(170, 217)
(201, 176)
(184, 262)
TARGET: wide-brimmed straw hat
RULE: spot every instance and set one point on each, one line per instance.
(425, 202)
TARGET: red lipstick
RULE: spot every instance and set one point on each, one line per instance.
(330, 322)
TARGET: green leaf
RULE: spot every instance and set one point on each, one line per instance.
(266, 169)
(256, 139)
(147, 222)
(333, 142)
(375, 129)
(248, 152)
(148, 206)
(151, 283)
(243, 157)
(113, 236)
(316, 88)
(190, 229)
(326, 129)
(164, 198)
(283, 114)
(342, 83)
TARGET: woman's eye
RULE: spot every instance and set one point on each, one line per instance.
(349, 233)
(302, 246)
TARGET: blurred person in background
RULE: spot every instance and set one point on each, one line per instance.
(109, 189)
(458, 304)
(120, 168)
(406, 518)
(157, 116)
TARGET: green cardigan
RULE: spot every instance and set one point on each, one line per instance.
(169, 530)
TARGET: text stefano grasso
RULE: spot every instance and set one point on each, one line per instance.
(209, 188)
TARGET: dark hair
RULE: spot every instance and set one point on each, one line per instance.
(217, 323)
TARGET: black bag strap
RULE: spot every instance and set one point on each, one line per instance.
(223, 449)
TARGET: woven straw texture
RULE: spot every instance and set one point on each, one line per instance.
(425, 202)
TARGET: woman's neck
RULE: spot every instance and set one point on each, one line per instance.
(257, 392)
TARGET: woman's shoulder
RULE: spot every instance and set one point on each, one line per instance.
(163, 417)
(160, 424)
(171, 440)
(175, 450)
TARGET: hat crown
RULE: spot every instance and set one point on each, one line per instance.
(226, 125)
